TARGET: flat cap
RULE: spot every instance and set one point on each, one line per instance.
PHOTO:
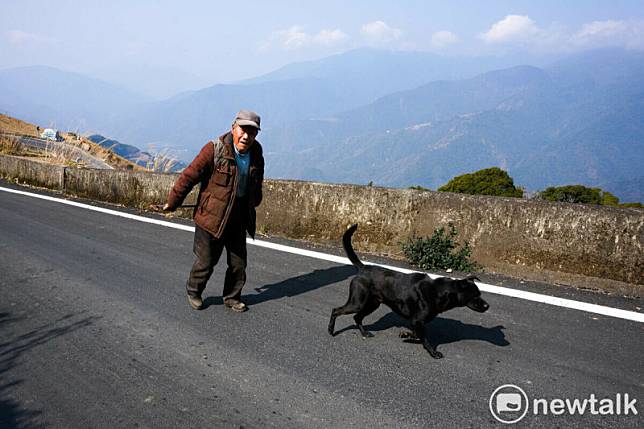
(246, 117)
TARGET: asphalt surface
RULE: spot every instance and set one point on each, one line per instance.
(95, 331)
(70, 151)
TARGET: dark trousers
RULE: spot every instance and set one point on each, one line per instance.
(208, 250)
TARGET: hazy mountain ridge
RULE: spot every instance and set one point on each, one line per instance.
(315, 90)
(65, 100)
(373, 69)
(542, 125)
(576, 121)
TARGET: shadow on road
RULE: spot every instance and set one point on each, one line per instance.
(301, 284)
(12, 413)
(442, 330)
(293, 286)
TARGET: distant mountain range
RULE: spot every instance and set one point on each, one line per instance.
(391, 118)
(580, 120)
(317, 89)
(368, 74)
(59, 99)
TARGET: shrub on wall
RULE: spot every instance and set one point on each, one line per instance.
(439, 252)
(489, 181)
(579, 194)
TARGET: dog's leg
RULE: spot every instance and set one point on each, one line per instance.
(419, 330)
(334, 314)
(358, 295)
(371, 306)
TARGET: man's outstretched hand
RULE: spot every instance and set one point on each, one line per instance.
(161, 208)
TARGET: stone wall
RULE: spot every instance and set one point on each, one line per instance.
(590, 246)
(32, 172)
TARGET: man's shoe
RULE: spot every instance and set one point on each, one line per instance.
(235, 305)
(195, 302)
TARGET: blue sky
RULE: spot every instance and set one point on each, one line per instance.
(191, 44)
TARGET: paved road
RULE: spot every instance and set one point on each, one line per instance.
(95, 331)
(70, 151)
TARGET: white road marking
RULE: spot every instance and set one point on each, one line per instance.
(530, 296)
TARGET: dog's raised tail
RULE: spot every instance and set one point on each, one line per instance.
(348, 248)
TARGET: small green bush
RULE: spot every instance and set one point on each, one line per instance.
(419, 188)
(579, 194)
(489, 181)
(609, 199)
(439, 252)
(583, 195)
(636, 205)
(572, 194)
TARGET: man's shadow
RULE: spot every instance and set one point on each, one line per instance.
(293, 286)
(441, 330)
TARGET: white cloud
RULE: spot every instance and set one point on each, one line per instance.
(512, 28)
(19, 37)
(379, 33)
(595, 28)
(523, 31)
(296, 38)
(441, 39)
(330, 37)
(628, 34)
(293, 38)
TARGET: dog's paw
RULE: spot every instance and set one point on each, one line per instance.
(367, 334)
(436, 355)
(407, 335)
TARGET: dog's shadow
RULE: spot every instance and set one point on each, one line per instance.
(292, 286)
(301, 284)
(441, 330)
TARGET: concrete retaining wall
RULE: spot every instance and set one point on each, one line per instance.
(32, 172)
(590, 246)
(119, 187)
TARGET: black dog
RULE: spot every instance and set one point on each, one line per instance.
(416, 297)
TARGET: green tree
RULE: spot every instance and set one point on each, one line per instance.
(579, 194)
(609, 199)
(490, 181)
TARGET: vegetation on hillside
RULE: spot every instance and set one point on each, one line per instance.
(583, 195)
(497, 182)
(12, 129)
(419, 188)
(489, 181)
(11, 125)
(10, 146)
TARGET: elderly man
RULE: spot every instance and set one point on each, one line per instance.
(230, 172)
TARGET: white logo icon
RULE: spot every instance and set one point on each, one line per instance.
(509, 403)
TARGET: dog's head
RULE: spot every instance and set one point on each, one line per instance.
(459, 293)
(469, 294)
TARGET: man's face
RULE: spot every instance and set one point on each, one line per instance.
(244, 137)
